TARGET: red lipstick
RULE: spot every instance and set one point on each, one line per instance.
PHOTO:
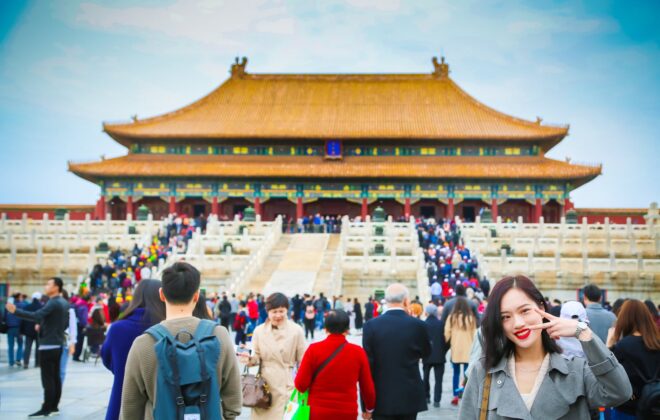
(522, 334)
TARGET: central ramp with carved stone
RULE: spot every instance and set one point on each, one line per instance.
(300, 265)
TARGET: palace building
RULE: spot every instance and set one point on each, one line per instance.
(294, 144)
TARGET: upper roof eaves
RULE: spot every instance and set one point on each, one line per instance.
(346, 106)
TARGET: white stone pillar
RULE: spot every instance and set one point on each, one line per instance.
(40, 256)
(45, 223)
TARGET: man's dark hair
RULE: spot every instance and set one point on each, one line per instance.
(180, 282)
(58, 282)
(592, 292)
(460, 290)
(337, 321)
(277, 300)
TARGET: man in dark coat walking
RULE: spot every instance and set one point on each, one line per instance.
(368, 310)
(436, 360)
(395, 342)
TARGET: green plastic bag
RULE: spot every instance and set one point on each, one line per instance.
(297, 408)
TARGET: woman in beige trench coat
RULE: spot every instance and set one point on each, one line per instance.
(279, 345)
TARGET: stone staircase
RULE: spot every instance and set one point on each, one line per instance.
(298, 265)
(324, 282)
(259, 281)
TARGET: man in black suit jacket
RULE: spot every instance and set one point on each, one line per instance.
(436, 360)
(395, 342)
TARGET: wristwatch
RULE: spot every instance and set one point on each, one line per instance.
(581, 326)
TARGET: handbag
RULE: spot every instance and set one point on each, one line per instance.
(297, 408)
(483, 414)
(3, 327)
(256, 393)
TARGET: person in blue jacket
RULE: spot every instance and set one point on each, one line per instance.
(145, 310)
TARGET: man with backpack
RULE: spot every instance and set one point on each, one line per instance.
(184, 366)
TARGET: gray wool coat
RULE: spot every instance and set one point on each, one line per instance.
(568, 391)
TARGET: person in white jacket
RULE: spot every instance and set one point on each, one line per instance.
(71, 339)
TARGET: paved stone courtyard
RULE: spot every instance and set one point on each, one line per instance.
(87, 390)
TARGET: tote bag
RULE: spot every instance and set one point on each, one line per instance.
(297, 408)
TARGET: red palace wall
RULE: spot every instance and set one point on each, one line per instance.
(510, 209)
(332, 206)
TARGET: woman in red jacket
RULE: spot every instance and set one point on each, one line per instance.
(332, 391)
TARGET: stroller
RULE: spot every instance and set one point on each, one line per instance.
(95, 338)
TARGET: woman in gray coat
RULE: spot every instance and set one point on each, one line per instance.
(529, 379)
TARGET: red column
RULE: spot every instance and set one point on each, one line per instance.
(568, 205)
(406, 208)
(172, 204)
(100, 208)
(538, 210)
(365, 209)
(299, 208)
(257, 206)
(493, 209)
(214, 206)
(450, 209)
(129, 206)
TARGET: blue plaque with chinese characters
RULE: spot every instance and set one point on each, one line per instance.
(333, 149)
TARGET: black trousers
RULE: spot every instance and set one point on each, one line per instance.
(309, 327)
(50, 378)
(79, 342)
(397, 417)
(438, 371)
(28, 349)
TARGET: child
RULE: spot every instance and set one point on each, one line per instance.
(239, 324)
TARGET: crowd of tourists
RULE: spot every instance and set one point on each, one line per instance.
(514, 354)
(524, 361)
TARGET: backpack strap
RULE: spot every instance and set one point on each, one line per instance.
(204, 330)
(160, 333)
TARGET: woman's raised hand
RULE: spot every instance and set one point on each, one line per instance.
(556, 327)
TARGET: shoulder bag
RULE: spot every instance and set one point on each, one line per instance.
(256, 392)
(483, 414)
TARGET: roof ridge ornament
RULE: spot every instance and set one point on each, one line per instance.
(441, 69)
(238, 68)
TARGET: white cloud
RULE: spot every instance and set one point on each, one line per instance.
(217, 23)
(379, 5)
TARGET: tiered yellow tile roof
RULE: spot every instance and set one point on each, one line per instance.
(391, 167)
(337, 106)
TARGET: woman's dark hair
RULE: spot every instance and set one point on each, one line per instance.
(652, 308)
(337, 321)
(496, 344)
(636, 317)
(461, 314)
(201, 311)
(98, 318)
(277, 300)
(146, 296)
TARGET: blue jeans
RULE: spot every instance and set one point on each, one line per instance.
(457, 375)
(319, 320)
(14, 335)
(64, 359)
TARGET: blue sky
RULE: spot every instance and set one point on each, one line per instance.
(67, 66)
